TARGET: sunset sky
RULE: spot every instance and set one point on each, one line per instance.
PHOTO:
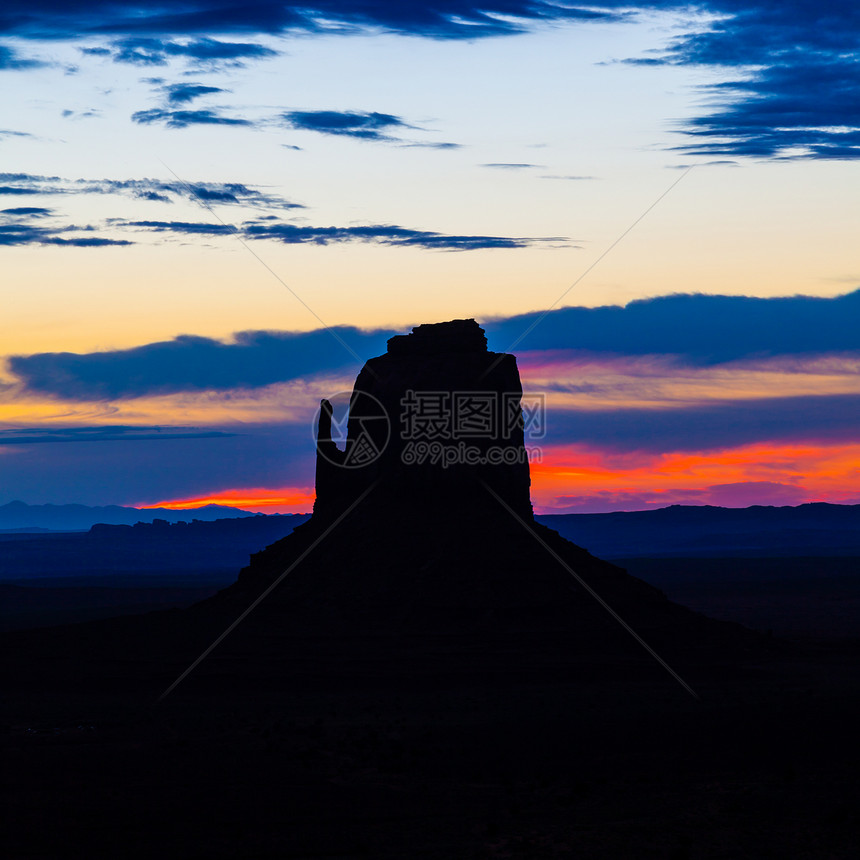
(191, 193)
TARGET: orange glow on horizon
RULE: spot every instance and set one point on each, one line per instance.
(284, 500)
(800, 472)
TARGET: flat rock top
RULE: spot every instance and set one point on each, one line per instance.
(432, 338)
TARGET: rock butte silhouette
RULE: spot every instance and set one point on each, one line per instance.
(442, 568)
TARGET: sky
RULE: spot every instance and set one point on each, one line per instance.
(211, 213)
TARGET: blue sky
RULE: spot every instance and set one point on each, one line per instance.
(192, 192)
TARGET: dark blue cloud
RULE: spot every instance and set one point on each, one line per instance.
(150, 470)
(145, 189)
(438, 19)
(185, 118)
(793, 60)
(32, 211)
(183, 93)
(193, 228)
(104, 433)
(12, 61)
(702, 329)
(381, 234)
(157, 52)
(360, 124)
(190, 363)
(24, 233)
(699, 330)
(813, 419)
(16, 190)
(795, 87)
(798, 109)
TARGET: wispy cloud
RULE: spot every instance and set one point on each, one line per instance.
(159, 190)
(103, 433)
(12, 61)
(32, 211)
(381, 234)
(154, 51)
(186, 118)
(794, 90)
(25, 233)
(435, 19)
(511, 165)
(183, 93)
(7, 132)
(363, 125)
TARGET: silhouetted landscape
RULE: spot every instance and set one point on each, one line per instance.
(424, 669)
(789, 570)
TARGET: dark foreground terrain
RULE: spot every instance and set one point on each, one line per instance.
(379, 731)
(793, 571)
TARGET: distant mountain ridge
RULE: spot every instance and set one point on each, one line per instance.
(817, 528)
(19, 515)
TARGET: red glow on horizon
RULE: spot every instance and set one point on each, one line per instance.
(285, 500)
(762, 473)
(586, 478)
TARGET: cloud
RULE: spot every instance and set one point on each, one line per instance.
(188, 227)
(150, 51)
(816, 418)
(571, 178)
(807, 110)
(796, 87)
(794, 92)
(432, 145)
(188, 363)
(701, 329)
(508, 165)
(32, 211)
(84, 114)
(160, 190)
(18, 233)
(185, 118)
(359, 124)
(7, 132)
(382, 234)
(183, 93)
(12, 61)
(103, 433)
(698, 330)
(435, 19)
(13, 190)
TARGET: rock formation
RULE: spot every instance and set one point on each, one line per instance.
(441, 567)
(425, 420)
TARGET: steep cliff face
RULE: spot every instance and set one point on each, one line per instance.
(433, 423)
